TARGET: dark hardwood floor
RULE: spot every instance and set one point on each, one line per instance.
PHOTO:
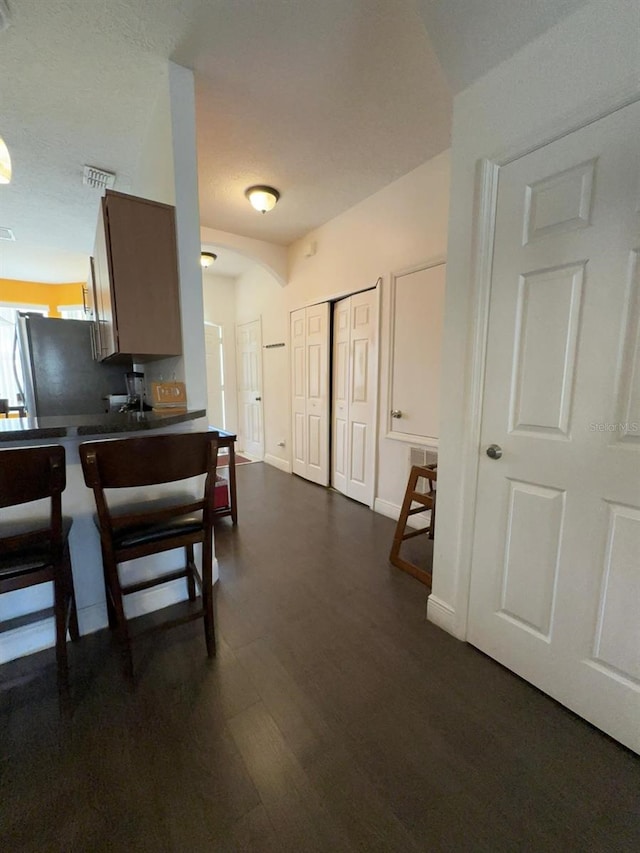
(335, 718)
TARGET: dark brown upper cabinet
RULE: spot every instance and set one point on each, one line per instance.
(135, 278)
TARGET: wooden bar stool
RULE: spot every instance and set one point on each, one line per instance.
(36, 550)
(426, 503)
(146, 528)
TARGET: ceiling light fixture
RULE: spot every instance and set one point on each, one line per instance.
(262, 198)
(5, 163)
(206, 259)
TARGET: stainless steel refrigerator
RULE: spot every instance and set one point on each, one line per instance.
(59, 374)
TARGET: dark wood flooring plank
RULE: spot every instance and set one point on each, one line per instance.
(333, 718)
(299, 818)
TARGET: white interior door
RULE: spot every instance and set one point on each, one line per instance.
(355, 368)
(310, 396)
(555, 589)
(215, 374)
(250, 410)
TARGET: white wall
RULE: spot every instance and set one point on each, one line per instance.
(398, 227)
(220, 307)
(270, 256)
(179, 101)
(582, 68)
(155, 176)
(259, 294)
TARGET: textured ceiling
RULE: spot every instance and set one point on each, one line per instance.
(473, 36)
(328, 101)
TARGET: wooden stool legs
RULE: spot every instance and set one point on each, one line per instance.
(426, 501)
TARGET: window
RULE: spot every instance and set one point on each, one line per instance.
(72, 312)
(9, 355)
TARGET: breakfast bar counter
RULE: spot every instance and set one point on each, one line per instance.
(70, 426)
(78, 503)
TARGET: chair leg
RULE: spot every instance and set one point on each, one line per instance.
(191, 584)
(402, 519)
(113, 590)
(207, 595)
(111, 612)
(60, 611)
(74, 631)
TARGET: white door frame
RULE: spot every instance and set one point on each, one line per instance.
(485, 207)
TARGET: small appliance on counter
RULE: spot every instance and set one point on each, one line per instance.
(135, 393)
(114, 402)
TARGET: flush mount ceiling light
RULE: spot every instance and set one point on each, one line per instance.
(5, 163)
(262, 198)
(206, 259)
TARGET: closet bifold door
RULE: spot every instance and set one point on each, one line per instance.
(310, 392)
(355, 373)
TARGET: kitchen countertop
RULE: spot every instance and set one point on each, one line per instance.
(71, 426)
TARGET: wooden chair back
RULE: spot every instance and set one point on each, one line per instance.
(146, 461)
(149, 461)
(31, 474)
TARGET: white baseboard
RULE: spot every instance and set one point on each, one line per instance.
(282, 464)
(92, 618)
(441, 614)
(30, 639)
(27, 640)
(393, 511)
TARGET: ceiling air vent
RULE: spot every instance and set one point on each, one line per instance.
(6, 233)
(98, 179)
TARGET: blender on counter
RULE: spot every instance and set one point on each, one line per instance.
(135, 393)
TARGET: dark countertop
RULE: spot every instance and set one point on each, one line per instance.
(19, 429)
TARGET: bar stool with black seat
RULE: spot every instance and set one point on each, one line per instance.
(130, 531)
(35, 550)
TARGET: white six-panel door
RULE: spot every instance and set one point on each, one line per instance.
(355, 356)
(555, 590)
(249, 369)
(310, 392)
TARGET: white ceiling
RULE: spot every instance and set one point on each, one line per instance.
(328, 101)
(471, 37)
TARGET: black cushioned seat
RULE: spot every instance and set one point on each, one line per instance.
(16, 563)
(146, 534)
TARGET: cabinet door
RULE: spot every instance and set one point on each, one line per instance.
(106, 340)
(144, 275)
(89, 303)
